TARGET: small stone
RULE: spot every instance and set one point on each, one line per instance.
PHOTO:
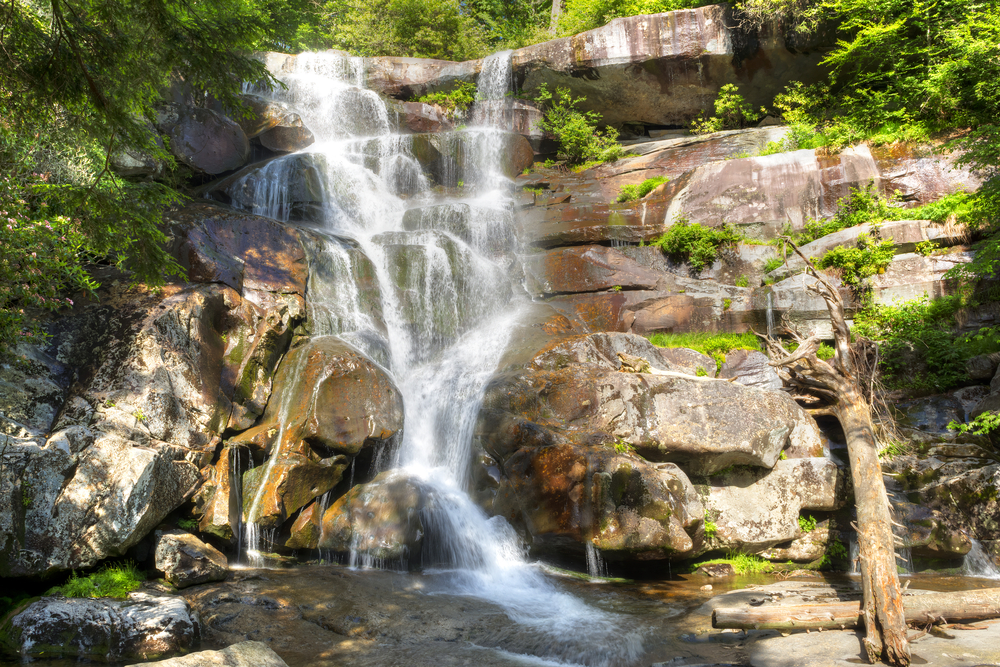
(706, 587)
(185, 560)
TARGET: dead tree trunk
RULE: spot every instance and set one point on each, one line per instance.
(836, 383)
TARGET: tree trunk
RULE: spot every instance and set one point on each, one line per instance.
(836, 383)
(925, 608)
(885, 624)
(556, 13)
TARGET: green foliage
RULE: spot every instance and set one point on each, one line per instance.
(417, 28)
(709, 527)
(772, 264)
(868, 258)
(807, 524)
(983, 424)
(577, 133)
(714, 345)
(629, 193)
(925, 248)
(188, 524)
(731, 112)
(919, 334)
(111, 581)
(700, 372)
(457, 100)
(616, 288)
(581, 15)
(623, 447)
(862, 206)
(835, 550)
(727, 304)
(824, 351)
(742, 281)
(743, 564)
(696, 245)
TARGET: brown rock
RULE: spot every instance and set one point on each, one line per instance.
(584, 269)
(186, 561)
(283, 139)
(419, 117)
(208, 142)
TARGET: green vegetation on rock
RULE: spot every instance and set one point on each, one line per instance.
(697, 245)
(581, 15)
(732, 112)
(715, 345)
(869, 257)
(629, 193)
(111, 581)
(579, 139)
(458, 99)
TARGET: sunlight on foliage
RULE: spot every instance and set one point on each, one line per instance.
(111, 581)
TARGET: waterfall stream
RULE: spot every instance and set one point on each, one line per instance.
(437, 314)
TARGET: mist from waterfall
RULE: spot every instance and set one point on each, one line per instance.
(438, 318)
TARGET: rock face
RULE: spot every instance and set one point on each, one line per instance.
(419, 117)
(280, 129)
(558, 434)
(207, 141)
(142, 627)
(186, 561)
(159, 377)
(754, 510)
(244, 654)
(329, 402)
(661, 69)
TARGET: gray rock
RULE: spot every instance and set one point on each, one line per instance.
(283, 139)
(186, 561)
(806, 548)
(244, 654)
(750, 368)
(755, 509)
(207, 141)
(141, 627)
(931, 414)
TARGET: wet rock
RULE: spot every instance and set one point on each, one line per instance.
(265, 114)
(970, 499)
(806, 548)
(244, 654)
(142, 627)
(716, 570)
(306, 186)
(207, 141)
(931, 414)
(307, 528)
(756, 509)
(750, 368)
(446, 156)
(186, 561)
(329, 402)
(929, 534)
(215, 501)
(381, 520)
(702, 424)
(584, 269)
(564, 496)
(419, 117)
(287, 139)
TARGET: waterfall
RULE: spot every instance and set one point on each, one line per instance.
(770, 314)
(437, 313)
(979, 563)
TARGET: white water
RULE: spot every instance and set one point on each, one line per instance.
(429, 297)
(978, 563)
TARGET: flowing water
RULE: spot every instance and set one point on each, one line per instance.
(419, 280)
(979, 563)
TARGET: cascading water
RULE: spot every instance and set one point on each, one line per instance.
(978, 563)
(442, 312)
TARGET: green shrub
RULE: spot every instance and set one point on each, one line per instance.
(686, 241)
(742, 281)
(457, 100)
(629, 193)
(727, 304)
(869, 258)
(743, 564)
(582, 15)
(925, 248)
(714, 345)
(984, 424)
(807, 524)
(577, 133)
(111, 581)
(772, 264)
(731, 112)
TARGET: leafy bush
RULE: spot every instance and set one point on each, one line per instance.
(457, 100)
(807, 524)
(772, 264)
(111, 581)
(742, 281)
(632, 192)
(918, 335)
(984, 424)
(731, 112)
(581, 15)
(576, 131)
(696, 245)
(869, 258)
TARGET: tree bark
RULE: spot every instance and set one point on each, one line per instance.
(923, 609)
(882, 609)
(556, 13)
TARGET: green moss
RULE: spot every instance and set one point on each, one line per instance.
(111, 581)
(629, 193)
(713, 344)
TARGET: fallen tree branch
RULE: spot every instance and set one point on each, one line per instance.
(925, 609)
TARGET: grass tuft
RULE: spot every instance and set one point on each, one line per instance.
(111, 581)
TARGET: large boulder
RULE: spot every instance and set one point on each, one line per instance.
(756, 509)
(244, 654)
(329, 402)
(702, 424)
(205, 140)
(564, 496)
(970, 499)
(186, 561)
(142, 627)
(419, 117)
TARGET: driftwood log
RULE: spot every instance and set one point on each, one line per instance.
(923, 609)
(837, 384)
